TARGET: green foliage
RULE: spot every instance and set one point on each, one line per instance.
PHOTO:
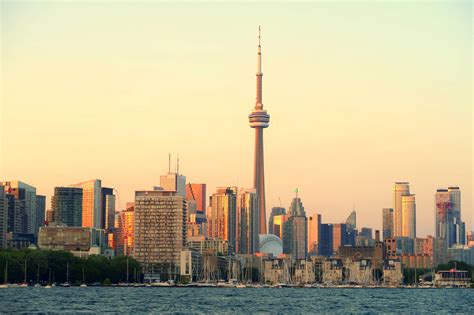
(42, 265)
(107, 282)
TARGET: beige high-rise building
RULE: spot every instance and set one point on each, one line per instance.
(399, 189)
(160, 231)
(91, 203)
(408, 216)
(222, 218)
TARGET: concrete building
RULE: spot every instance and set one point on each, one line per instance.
(91, 203)
(259, 120)
(399, 189)
(408, 216)
(27, 196)
(217, 247)
(222, 217)
(333, 271)
(247, 221)
(197, 192)
(276, 211)
(3, 218)
(356, 253)
(66, 206)
(16, 217)
(160, 231)
(449, 226)
(359, 271)
(314, 227)
(81, 241)
(387, 224)
(392, 272)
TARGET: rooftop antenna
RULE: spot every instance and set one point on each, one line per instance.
(259, 35)
(169, 162)
(296, 191)
(177, 163)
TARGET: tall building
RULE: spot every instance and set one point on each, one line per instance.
(408, 216)
(41, 210)
(248, 221)
(66, 206)
(325, 247)
(295, 233)
(314, 227)
(387, 224)
(449, 226)
(222, 220)
(91, 203)
(197, 192)
(351, 221)
(3, 218)
(174, 182)
(16, 217)
(278, 223)
(275, 211)
(295, 230)
(107, 208)
(160, 231)
(125, 231)
(28, 197)
(259, 120)
(296, 207)
(339, 233)
(399, 189)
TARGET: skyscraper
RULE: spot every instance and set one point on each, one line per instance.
(314, 227)
(408, 216)
(174, 182)
(275, 211)
(399, 189)
(449, 226)
(40, 209)
(91, 203)
(223, 216)
(197, 192)
(339, 233)
(66, 205)
(295, 230)
(160, 231)
(387, 222)
(248, 221)
(3, 218)
(351, 221)
(108, 208)
(125, 231)
(28, 198)
(259, 120)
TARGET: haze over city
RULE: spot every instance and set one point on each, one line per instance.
(355, 104)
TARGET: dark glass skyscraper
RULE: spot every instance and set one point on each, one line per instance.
(66, 205)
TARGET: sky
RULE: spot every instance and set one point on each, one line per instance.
(360, 95)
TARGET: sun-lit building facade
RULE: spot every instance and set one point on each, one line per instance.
(91, 203)
(408, 216)
(399, 189)
(222, 218)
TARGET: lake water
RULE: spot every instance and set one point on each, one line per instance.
(233, 300)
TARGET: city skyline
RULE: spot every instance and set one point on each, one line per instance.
(335, 159)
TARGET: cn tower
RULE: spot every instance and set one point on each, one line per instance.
(259, 119)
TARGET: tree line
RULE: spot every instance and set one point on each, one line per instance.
(46, 266)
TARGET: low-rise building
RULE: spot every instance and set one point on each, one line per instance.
(392, 272)
(333, 271)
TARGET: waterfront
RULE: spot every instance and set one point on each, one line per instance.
(232, 300)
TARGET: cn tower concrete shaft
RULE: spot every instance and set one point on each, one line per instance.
(259, 120)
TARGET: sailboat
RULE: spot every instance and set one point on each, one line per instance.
(24, 284)
(83, 285)
(5, 276)
(37, 284)
(48, 286)
(66, 284)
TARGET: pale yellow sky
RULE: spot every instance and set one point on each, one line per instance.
(360, 95)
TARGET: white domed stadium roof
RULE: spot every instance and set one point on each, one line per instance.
(270, 244)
